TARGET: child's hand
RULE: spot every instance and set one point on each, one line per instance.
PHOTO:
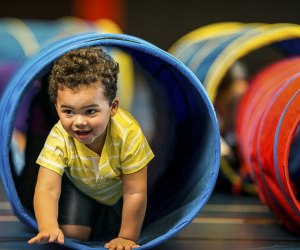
(49, 235)
(121, 244)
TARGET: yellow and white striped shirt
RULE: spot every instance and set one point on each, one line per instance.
(125, 151)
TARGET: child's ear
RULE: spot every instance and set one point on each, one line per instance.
(55, 104)
(114, 106)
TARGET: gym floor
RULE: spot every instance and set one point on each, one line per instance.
(226, 222)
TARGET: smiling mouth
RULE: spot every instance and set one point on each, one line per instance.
(82, 134)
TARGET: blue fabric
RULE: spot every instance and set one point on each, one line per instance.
(182, 190)
(290, 47)
(201, 69)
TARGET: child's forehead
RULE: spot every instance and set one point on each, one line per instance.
(81, 93)
(81, 86)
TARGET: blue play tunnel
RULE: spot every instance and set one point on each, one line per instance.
(185, 138)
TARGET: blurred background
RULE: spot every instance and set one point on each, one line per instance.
(159, 22)
(235, 202)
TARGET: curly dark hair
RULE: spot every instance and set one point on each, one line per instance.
(84, 66)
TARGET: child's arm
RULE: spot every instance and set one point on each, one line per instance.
(134, 209)
(47, 193)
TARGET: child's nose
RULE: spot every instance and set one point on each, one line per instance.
(80, 121)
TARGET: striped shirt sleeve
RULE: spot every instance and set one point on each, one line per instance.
(136, 153)
(54, 153)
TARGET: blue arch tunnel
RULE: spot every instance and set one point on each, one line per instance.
(186, 138)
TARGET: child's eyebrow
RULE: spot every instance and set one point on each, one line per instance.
(91, 106)
(84, 107)
(65, 106)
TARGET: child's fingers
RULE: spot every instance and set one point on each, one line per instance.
(31, 241)
(41, 238)
(56, 237)
(53, 237)
(60, 237)
(112, 246)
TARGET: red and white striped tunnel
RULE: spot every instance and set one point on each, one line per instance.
(268, 135)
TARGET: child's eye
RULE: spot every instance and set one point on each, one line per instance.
(67, 111)
(90, 112)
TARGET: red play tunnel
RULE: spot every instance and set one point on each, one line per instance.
(269, 138)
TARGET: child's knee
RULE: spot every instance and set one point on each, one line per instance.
(77, 232)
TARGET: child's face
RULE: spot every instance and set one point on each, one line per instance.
(84, 113)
